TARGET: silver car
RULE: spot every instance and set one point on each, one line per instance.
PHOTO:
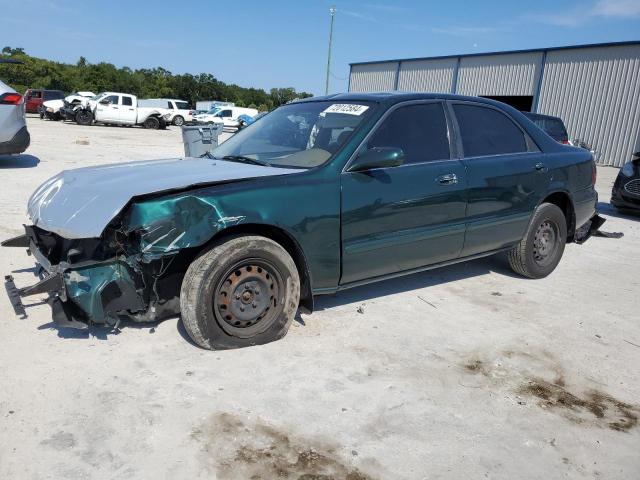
(14, 136)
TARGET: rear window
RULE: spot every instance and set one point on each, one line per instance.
(53, 95)
(554, 127)
(487, 131)
(127, 101)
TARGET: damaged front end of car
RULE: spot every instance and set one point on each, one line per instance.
(133, 271)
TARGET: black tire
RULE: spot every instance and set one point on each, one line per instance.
(152, 123)
(540, 251)
(241, 292)
(84, 117)
(178, 120)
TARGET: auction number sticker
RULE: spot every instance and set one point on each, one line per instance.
(347, 108)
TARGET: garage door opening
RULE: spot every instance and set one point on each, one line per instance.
(524, 103)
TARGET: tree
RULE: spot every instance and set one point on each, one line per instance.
(143, 82)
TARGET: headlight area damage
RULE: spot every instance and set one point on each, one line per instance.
(133, 271)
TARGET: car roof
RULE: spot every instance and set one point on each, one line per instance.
(390, 98)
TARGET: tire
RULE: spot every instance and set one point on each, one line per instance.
(84, 117)
(178, 120)
(152, 123)
(244, 291)
(540, 251)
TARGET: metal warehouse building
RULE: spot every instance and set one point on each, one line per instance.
(595, 89)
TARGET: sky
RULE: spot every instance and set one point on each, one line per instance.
(283, 43)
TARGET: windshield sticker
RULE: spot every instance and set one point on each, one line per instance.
(347, 108)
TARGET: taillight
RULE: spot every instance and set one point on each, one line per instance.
(10, 98)
(564, 142)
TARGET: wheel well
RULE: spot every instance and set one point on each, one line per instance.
(287, 242)
(563, 201)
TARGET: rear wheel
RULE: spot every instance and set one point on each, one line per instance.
(152, 123)
(178, 120)
(540, 251)
(84, 117)
(242, 292)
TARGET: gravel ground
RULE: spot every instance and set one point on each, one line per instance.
(464, 372)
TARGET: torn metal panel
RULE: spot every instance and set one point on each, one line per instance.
(170, 224)
(102, 291)
(80, 203)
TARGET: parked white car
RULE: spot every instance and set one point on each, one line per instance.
(119, 109)
(51, 108)
(14, 136)
(179, 110)
(226, 115)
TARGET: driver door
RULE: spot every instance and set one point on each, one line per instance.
(401, 218)
(108, 109)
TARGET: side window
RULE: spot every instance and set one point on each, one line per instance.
(182, 106)
(112, 99)
(486, 131)
(170, 105)
(225, 113)
(419, 130)
(127, 101)
(36, 94)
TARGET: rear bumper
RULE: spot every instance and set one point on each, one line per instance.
(18, 144)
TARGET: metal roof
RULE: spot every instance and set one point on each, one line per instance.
(503, 52)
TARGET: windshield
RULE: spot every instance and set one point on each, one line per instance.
(213, 110)
(97, 97)
(302, 135)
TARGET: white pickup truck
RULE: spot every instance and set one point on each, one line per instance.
(119, 109)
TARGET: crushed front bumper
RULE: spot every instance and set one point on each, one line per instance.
(79, 295)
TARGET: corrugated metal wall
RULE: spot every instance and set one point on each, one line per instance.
(596, 92)
(427, 75)
(373, 77)
(514, 74)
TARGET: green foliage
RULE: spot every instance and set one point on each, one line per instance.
(145, 83)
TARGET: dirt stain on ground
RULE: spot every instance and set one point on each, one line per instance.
(254, 450)
(593, 406)
(615, 414)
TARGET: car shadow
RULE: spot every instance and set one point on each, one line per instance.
(19, 161)
(496, 263)
(608, 209)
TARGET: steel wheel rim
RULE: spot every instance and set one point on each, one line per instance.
(246, 299)
(545, 242)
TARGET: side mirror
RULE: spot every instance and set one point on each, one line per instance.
(105, 102)
(377, 157)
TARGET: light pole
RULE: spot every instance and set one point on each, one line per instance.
(332, 11)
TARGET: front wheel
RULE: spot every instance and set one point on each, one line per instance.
(242, 292)
(84, 117)
(540, 251)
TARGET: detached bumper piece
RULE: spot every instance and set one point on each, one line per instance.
(589, 229)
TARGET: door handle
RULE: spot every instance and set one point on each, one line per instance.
(540, 167)
(447, 179)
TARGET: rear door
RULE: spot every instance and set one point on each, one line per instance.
(402, 218)
(506, 175)
(128, 111)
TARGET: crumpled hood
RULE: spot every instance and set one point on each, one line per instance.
(80, 203)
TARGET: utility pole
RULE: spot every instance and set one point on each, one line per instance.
(332, 11)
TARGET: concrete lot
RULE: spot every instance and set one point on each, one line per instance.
(464, 372)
